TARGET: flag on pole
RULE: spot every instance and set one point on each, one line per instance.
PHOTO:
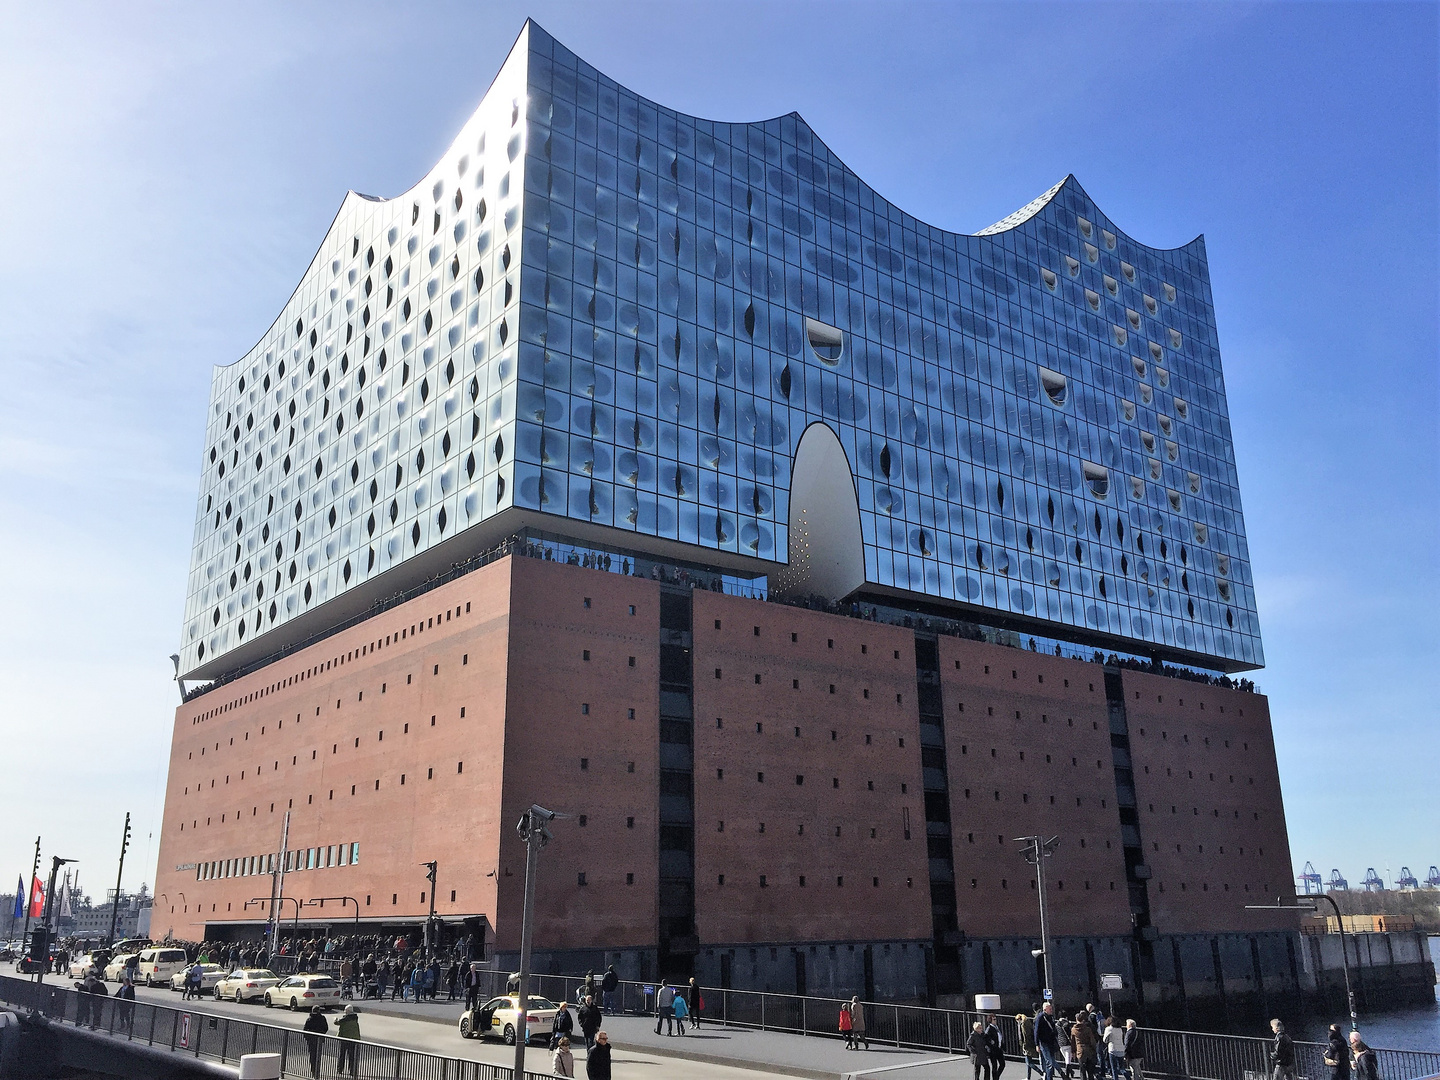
(19, 898)
(37, 899)
(65, 912)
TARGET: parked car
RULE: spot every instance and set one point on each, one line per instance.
(499, 1017)
(158, 964)
(245, 984)
(115, 969)
(304, 992)
(80, 965)
(210, 974)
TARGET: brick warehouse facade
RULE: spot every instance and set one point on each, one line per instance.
(751, 777)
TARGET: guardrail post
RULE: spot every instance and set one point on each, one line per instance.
(950, 1035)
(804, 1024)
(762, 1012)
(897, 1025)
(1185, 1053)
(399, 1056)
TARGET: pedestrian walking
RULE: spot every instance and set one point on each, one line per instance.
(597, 1061)
(1047, 1039)
(82, 1003)
(1337, 1054)
(846, 1026)
(1134, 1050)
(1114, 1040)
(315, 1026)
(681, 1011)
(997, 1047)
(588, 989)
(98, 993)
(665, 1009)
(979, 1051)
(348, 1028)
(1282, 1053)
(1365, 1063)
(1025, 1037)
(564, 1026)
(125, 1005)
(1068, 1054)
(452, 978)
(608, 984)
(590, 1022)
(193, 981)
(857, 1024)
(472, 985)
(696, 1002)
(1083, 1040)
(562, 1062)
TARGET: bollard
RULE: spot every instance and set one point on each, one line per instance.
(260, 1067)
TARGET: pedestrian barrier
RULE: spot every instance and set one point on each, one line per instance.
(226, 1039)
(1191, 1054)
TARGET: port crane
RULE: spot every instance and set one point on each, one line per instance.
(1310, 881)
(1433, 881)
(1406, 880)
(1338, 883)
(1372, 881)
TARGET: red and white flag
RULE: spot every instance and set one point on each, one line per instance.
(37, 899)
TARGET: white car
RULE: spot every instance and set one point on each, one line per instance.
(210, 974)
(116, 968)
(304, 992)
(80, 965)
(245, 984)
(158, 964)
(498, 1017)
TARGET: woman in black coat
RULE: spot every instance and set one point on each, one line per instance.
(1337, 1054)
(597, 1061)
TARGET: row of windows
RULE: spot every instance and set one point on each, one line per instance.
(394, 901)
(764, 881)
(315, 858)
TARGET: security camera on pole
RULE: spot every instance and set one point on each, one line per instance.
(1037, 849)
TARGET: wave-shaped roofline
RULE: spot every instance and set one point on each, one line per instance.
(1012, 221)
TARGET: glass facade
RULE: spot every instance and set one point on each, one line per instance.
(601, 310)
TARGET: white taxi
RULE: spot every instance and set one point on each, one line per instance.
(210, 974)
(304, 992)
(157, 965)
(80, 965)
(245, 984)
(115, 970)
(500, 1017)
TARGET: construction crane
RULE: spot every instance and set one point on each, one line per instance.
(1406, 880)
(1372, 881)
(1310, 881)
(1338, 883)
(1433, 881)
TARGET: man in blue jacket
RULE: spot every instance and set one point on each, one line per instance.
(1047, 1039)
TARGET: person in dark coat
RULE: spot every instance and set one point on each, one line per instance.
(1047, 1040)
(693, 998)
(608, 984)
(1282, 1053)
(590, 1018)
(315, 1026)
(1366, 1063)
(97, 1007)
(1337, 1054)
(597, 1061)
(1134, 1051)
(997, 1048)
(564, 1026)
(979, 1050)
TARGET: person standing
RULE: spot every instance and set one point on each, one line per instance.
(472, 985)
(597, 1061)
(1083, 1040)
(979, 1051)
(564, 1024)
(589, 987)
(315, 1026)
(857, 1023)
(1282, 1053)
(125, 1005)
(348, 1028)
(665, 1009)
(1337, 1055)
(608, 984)
(1366, 1063)
(696, 1002)
(681, 1011)
(997, 1048)
(845, 1026)
(1135, 1050)
(590, 1023)
(1047, 1039)
(562, 1062)
(452, 979)
(1025, 1036)
(1114, 1039)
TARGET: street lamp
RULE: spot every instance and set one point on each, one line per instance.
(432, 871)
(44, 958)
(1037, 849)
(534, 831)
(281, 899)
(320, 900)
(1344, 950)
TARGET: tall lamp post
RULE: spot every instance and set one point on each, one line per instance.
(432, 872)
(1279, 905)
(119, 873)
(534, 831)
(1037, 849)
(295, 927)
(45, 933)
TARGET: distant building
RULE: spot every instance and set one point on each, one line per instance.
(659, 471)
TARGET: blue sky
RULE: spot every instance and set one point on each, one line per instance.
(168, 171)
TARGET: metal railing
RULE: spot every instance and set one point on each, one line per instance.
(1198, 1055)
(226, 1039)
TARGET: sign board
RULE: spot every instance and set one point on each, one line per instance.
(648, 989)
(185, 1029)
(1049, 994)
(184, 866)
(1111, 982)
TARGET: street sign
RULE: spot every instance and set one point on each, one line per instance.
(648, 989)
(185, 1029)
(1049, 994)
(1111, 982)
